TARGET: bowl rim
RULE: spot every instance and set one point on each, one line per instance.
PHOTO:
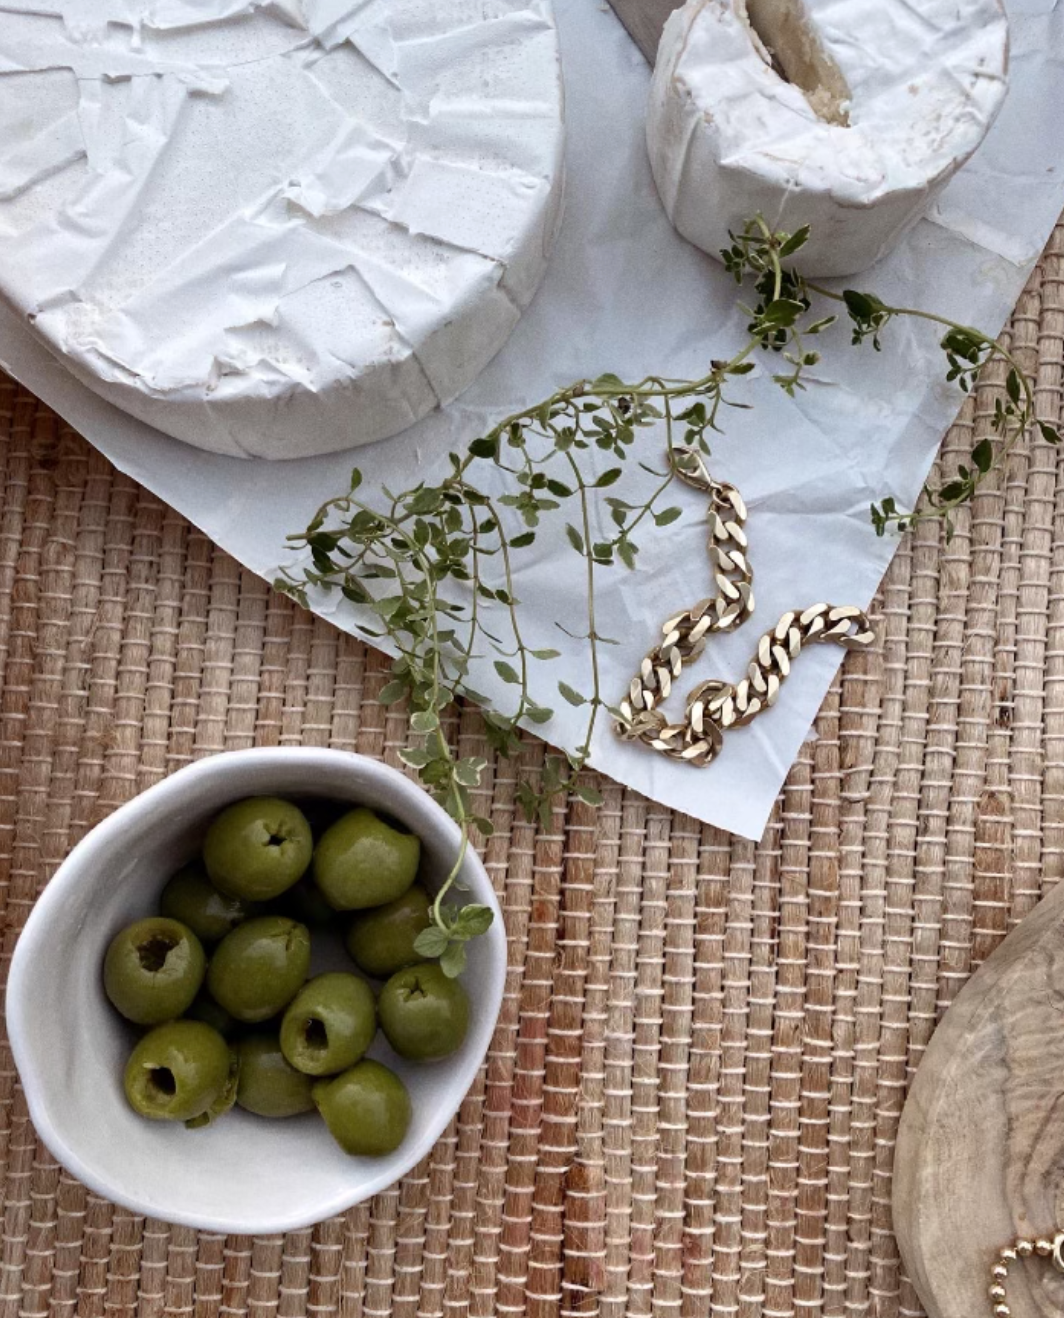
(221, 765)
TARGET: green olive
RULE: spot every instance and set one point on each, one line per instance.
(361, 861)
(258, 848)
(424, 1015)
(205, 1009)
(153, 969)
(382, 941)
(191, 898)
(268, 1086)
(177, 1071)
(225, 1100)
(258, 969)
(367, 1109)
(304, 902)
(329, 1025)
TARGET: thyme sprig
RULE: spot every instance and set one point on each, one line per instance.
(756, 252)
(431, 569)
(967, 351)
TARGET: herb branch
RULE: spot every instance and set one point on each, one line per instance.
(432, 568)
(967, 351)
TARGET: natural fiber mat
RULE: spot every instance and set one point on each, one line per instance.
(691, 1101)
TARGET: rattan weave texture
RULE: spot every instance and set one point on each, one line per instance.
(692, 1097)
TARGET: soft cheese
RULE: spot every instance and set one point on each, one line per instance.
(277, 227)
(847, 115)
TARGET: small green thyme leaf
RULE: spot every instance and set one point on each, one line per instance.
(783, 312)
(573, 697)
(983, 455)
(431, 942)
(466, 774)
(453, 960)
(474, 920)
(797, 240)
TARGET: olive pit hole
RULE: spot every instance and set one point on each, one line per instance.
(154, 951)
(789, 41)
(161, 1079)
(314, 1033)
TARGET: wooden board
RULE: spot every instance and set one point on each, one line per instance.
(644, 20)
(980, 1153)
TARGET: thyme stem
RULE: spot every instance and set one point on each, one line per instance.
(432, 537)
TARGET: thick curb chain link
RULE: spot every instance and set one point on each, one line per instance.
(714, 706)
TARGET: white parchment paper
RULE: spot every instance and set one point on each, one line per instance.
(625, 294)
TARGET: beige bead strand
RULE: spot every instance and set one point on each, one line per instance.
(715, 706)
(1042, 1247)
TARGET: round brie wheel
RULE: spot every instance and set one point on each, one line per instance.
(276, 228)
(846, 115)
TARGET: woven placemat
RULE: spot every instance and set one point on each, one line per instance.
(691, 1100)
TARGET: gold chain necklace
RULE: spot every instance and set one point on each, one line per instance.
(1021, 1249)
(715, 706)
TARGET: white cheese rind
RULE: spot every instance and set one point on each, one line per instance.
(729, 138)
(276, 228)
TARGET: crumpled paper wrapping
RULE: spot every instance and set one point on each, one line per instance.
(275, 232)
(625, 294)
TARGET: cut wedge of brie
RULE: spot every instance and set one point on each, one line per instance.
(277, 228)
(846, 115)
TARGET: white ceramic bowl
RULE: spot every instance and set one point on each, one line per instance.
(244, 1174)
